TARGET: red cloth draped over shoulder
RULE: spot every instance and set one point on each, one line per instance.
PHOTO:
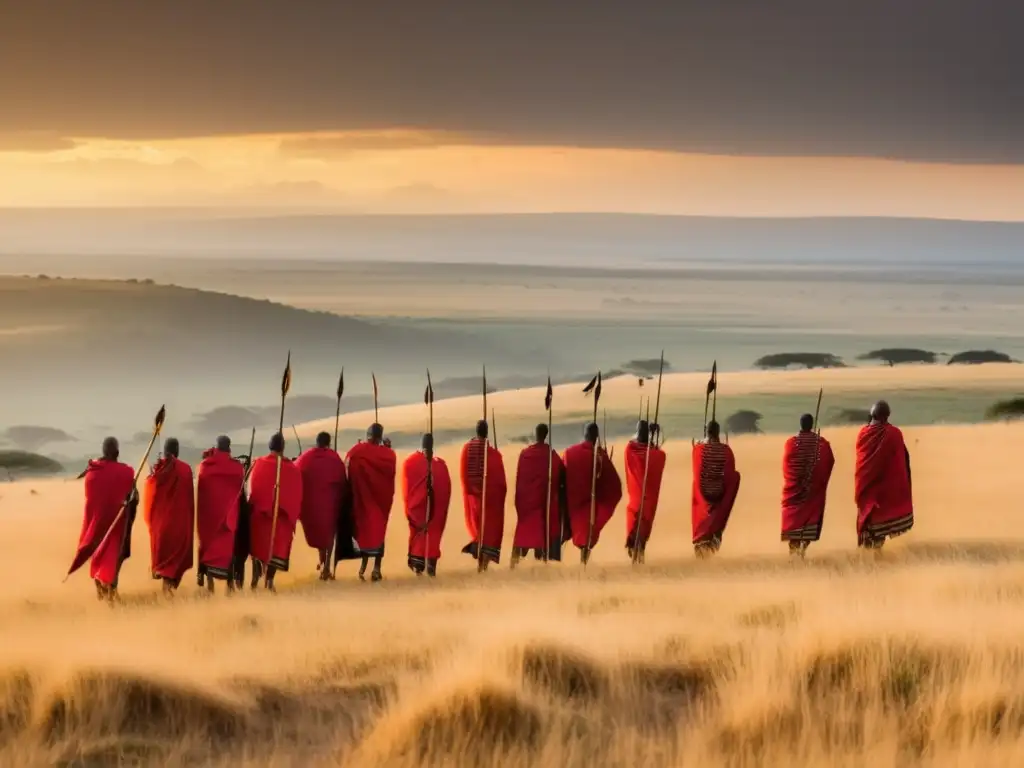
(371, 476)
(636, 460)
(579, 470)
(425, 544)
(715, 485)
(107, 486)
(168, 506)
(804, 486)
(882, 487)
(218, 499)
(261, 502)
(532, 498)
(471, 466)
(324, 485)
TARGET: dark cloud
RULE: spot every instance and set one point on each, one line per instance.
(35, 142)
(936, 79)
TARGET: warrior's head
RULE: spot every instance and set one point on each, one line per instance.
(540, 434)
(323, 440)
(375, 434)
(427, 443)
(276, 444)
(171, 447)
(591, 433)
(481, 429)
(806, 423)
(714, 431)
(111, 449)
(224, 444)
(643, 431)
(880, 412)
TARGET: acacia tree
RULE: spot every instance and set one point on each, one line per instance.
(978, 356)
(898, 355)
(799, 359)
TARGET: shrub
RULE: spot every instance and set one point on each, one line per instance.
(800, 359)
(897, 355)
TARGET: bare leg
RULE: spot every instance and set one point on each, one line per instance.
(517, 555)
(432, 567)
(209, 585)
(362, 568)
(377, 575)
(271, 572)
(257, 573)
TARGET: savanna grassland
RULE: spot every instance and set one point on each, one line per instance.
(910, 657)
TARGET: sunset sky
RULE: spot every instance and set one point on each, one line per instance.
(910, 108)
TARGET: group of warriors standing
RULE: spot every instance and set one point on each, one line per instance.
(244, 509)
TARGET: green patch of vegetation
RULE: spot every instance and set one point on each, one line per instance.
(979, 356)
(799, 360)
(744, 422)
(1012, 408)
(25, 462)
(899, 355)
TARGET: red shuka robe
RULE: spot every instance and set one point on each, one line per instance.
(471, 465)
(579, 470)
(218, 501)
(715, 485)
(108, 485)
(323, 489)
(261, 502)
(371, 475)
(636, 459)
(168, 506)
(804, 484)
(532, 500)
(425, 545)
(882, 489)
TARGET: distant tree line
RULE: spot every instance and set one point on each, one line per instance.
(890, 356)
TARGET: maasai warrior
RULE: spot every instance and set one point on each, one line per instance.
(715, 485)
(219, 501)
(371, 475)
(579, 474)
(637, 462)
(807, 463)
(323, 490)
(169, 510)
(471, 465)
(882, 489)
(261, 503)
(109, 487)
(425, 536)
(534, 506)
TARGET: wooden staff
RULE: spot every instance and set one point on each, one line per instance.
(376, 417)
(428, 400)
(79, 561)
(297, 440)
(286, 383)
(551, 460)
(647, 460)
(480, 561)
(595, 384)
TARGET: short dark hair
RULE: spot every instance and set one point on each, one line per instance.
(172, 447)
(540, 432)
(714, 430)
(323, 440)
(481, 428)
(276, 444)
(806, 422)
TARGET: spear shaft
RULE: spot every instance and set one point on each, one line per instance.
(481, 562)
(551, 462)
(337, 412)
(286, 382)
(647, 461)
(593, 477)
(429, 453)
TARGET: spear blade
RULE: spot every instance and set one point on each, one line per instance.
(337, 410)
(376, 420)
(341, 383)
(286, 378)
(548, 396)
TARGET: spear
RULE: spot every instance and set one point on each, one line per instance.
(337, 412)
(376, 418)
(712, 387)
(595, 385)
(647, 459)
(483, 492)
(297, 440)
(551, 458)
(428, 400)
(89, 551)
(286, 383)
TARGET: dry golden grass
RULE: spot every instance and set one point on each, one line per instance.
(909, 658)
